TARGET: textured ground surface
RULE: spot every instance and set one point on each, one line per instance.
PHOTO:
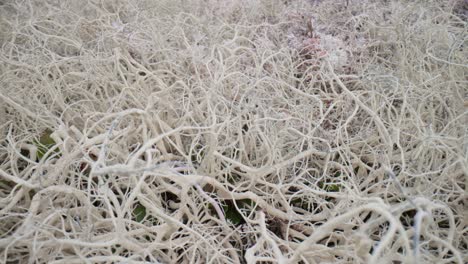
(246, 131)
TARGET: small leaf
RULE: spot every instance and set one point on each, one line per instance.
(320, 184)
(139, 212)
(231, 212)
(329, 187)
(44, 143)
(45, 138)
(233, 215)
(333, 188)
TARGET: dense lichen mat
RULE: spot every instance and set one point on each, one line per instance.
(243, 131)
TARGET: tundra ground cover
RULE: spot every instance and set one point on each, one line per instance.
(244, 131)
